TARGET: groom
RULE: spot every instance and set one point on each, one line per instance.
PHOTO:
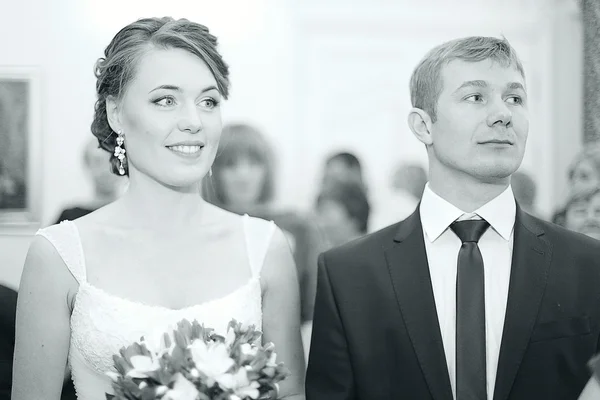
(469, 298)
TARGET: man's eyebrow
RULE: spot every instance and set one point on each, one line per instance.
(515, 85)
(475, 83)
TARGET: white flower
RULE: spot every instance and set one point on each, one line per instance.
(239, 384)
(211, 359)
(156, 343)
(142, 365)
(230, 337)
(272, 360)
(182, 390)
(248, 349)
(249, 391)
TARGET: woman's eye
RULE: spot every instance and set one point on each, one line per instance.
(166, 101)
(209, 103)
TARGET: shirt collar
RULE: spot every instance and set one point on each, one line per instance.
(437, 214)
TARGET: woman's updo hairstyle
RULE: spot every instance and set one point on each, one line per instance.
(115, 70)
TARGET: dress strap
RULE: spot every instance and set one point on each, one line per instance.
(65, 239)
(258, 233)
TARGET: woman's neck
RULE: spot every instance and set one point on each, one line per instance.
(102, 199)
(153, 205)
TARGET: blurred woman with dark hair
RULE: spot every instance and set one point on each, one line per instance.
(343, 210)
(343, 166)
(242, 177)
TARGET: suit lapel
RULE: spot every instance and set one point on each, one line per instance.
(409, 271)
(528, 276)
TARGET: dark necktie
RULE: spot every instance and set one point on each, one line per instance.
(470, 313)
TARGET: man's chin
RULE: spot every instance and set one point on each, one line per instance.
(495, 175)
(500, 165)
(498, 171)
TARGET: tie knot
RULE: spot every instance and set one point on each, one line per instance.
(470, 231)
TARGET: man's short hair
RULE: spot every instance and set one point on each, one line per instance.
(426, 81)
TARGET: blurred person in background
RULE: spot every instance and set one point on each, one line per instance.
(342, 210)
(242, 177)
(411, 178)
(343, 167)
(243, 181)
(406, 188)
(107, 186)
(525, 190)
(583, 175)
(582, 213)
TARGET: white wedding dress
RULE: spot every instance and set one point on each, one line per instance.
(102, 323)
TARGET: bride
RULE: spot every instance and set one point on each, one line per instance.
(160, 253)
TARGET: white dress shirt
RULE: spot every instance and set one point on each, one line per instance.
(496, 245)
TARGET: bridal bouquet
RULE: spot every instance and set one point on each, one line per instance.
(194, 363)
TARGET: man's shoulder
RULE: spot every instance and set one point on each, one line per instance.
(565, 239)
(366, 247)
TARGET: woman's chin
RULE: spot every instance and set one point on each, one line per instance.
(183, 184)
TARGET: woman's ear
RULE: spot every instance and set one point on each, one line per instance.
(113, 113)
(420, 124)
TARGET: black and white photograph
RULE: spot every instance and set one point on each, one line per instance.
(300, 200)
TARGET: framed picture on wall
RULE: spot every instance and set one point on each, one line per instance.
(20, 145)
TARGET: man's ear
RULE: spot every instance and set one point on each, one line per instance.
(113, 113)
(420, 124)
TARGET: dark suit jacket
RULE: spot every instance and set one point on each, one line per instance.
(376, 333)
(8, 308)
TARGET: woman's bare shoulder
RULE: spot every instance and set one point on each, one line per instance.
(44, 264)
